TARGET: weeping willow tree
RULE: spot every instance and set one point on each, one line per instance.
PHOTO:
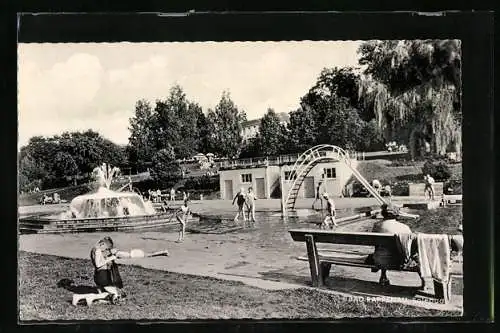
(414, 88)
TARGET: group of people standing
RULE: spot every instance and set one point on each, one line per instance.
(245, 200)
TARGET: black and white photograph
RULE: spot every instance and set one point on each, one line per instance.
(240, 180)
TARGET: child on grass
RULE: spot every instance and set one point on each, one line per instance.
(106, 274)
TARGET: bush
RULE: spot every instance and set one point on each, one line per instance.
(210, 183)
(402, 162)
(400, 189)
(453, 186)
(438, 169)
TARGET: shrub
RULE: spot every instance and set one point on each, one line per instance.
(453, 186)
(401, 162)
(438, 169)
(400, 189)
(202, 183)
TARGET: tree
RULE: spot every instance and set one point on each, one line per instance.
(65, 165)
(225, 126)
(202, 129)
(370, 138)
(340, 82)
(271, 134)
(342, 126)
(51, 160)
(142, 139)
(165, 168)
(176, 123)
(415, 90)
(31, 173)
(303, 130)
(172, 123)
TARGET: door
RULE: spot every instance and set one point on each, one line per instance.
(309, 187)
(228, 189)
(260, 190)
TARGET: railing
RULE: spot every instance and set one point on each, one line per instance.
(292, 158)
(259, 161)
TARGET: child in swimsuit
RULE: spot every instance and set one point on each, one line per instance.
(182, 216)
(240, 199)
(250, 203)
(330, 212)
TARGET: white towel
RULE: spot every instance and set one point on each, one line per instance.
(434, 256)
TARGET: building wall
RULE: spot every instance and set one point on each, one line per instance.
(236, 177)
(333, 186)
(271, 175)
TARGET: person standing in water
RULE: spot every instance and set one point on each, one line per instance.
(330, 212)
(240, 199)
(318, 195)
(250, 203)
(182, 217)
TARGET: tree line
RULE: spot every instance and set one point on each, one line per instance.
(404, 91)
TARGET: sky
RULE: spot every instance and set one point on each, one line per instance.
(75, 87)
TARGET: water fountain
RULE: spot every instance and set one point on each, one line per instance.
(102, 209)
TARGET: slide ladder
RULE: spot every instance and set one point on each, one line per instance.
(310, 158)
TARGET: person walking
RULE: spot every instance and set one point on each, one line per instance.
(429, 187)
(329, 221)
(250, 204)
(318, 195)
(240, 199)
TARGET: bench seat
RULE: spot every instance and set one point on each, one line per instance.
(320, 262)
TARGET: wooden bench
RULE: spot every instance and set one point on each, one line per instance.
(320, 263)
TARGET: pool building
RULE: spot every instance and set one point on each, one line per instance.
(267, 175)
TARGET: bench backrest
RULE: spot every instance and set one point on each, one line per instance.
(337, 237)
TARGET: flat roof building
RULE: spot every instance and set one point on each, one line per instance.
(264, 176)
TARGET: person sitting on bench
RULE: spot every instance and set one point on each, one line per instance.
(383, 257)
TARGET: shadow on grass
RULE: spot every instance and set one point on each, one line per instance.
(346, 285)
(69, 285)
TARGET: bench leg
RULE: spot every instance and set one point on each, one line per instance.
(312, 254)
(443, 290)
(325, 271)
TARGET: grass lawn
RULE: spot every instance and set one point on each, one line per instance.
(384, 171)
(437, 221)
(154, 294)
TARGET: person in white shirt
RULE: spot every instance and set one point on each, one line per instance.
(172, 194)
(429, 186)
(377, 185)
